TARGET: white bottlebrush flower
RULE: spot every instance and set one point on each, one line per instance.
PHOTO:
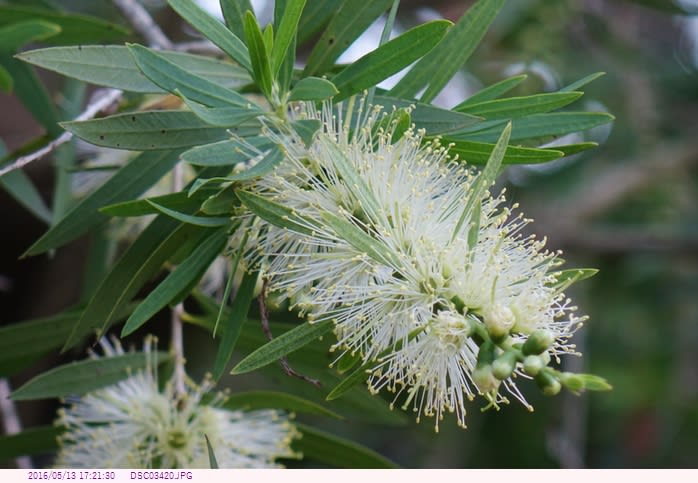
(378, 253)
(134, 424)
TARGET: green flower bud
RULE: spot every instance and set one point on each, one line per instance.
(485, 356)
(538, 342)
(532, 365)
(548, 383)
(504, 365)
(484, 379)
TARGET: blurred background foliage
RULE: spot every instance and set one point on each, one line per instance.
(627, 208)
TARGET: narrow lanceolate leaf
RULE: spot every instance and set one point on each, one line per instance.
(259, 58)
(36, 440)
(285, 34)
(266, 165)
(435, 70)
(114, 66)
(81, 377)
(171, 78)
(356, 377)
(483, 182)
(349, 21)
(390, 58)
(282, 345)
(433, 120)
(226, 153)
(233, 324)
(315, 16)
(29, 340)
(577, 85)
(570, 149)
(21, 188)
(74, 28)
(132, 180)
(513, 107)
(537, 126)
(276, 400)
(215, 31)
(150, 130)
(212, 463)
(203, 221)
(175, 201)
(353, 181)
(361, 240)
(141, 261)
(492, 92)
(181, 277)
(341, 453)
(478, 153)
(15, 35)
(565, 278)
(234, 15)
(312, 89)
(222, 116)
(274, 213)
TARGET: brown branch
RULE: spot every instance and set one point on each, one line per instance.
(264, 316)
(143, 23)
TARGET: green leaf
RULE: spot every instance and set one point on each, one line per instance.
(226, 153)
(276, 400)
(184, 275)
(433, 120)
(180, 201)
(568, 277)
(306, 129)
(215, 31)
(234, 13)
(483, 182)
(81, 377)
(233, 325)
(315, 16)
(271, 160)
(114, 66)
(212, 463)
(435, 70)
(29, 89)
(223, 202)
(171, 78)
(390, 58)
(20, 187)
(285, 33)
(15, 35)
(150, 130)
(222, 116)
(281, 345)
(492, 92)
(258, 54)
(594, 383)
(204, 221)
(74, 28)
(141, 261)
(40, 439)
(356, 377)
(350, 19)
(514, 107)
(6, 82)
(538, 126)
(136, 177)
(274, 213)
(478, 153)
(361, 240)
(312, 89)
(570, 149)
(575, 86)
(30, 340)
(336, 451)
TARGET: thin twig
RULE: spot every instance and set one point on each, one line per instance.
(102, 101)
(264, 316)
(143, 23)
(10, 420)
